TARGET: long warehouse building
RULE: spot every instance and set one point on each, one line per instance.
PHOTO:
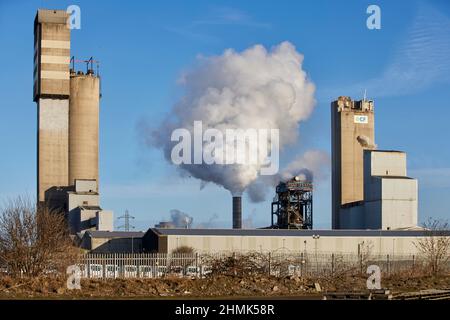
(395, 242)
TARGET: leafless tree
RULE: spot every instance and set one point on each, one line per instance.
(33, 239)
(435, 246)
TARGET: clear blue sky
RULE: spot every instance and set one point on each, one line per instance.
(144, 46)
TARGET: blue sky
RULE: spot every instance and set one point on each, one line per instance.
(143, 47)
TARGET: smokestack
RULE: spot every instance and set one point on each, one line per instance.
(237, 213)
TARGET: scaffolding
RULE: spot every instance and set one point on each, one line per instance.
(292, 206)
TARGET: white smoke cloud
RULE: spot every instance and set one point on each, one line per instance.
(180, 219)
(255, 88)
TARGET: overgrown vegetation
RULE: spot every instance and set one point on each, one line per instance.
(33, 240)
(435, 247)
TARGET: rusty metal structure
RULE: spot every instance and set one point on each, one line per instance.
(292, 207)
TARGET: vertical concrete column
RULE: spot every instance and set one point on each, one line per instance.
(83, 127)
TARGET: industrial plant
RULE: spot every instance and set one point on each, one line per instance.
(373, 199)
(68, 127)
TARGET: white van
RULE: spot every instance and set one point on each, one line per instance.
(205, 270)
(96, 270)
(130, 271)
(145, 272)
(111, 271)
(192, 271)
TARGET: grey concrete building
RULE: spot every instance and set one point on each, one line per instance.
(51, 93)
(390, 196)
(68, 127)
(370, 188)
(352, 131)
(112, 242)
(398, 242)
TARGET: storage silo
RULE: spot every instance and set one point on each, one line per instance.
(83, 126)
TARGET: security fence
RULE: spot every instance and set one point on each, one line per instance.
(157, 265)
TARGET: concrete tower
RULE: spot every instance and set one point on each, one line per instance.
(352, 132)
(51, 93)
(83, 127)
(68, 128)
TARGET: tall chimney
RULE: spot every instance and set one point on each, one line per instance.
(237, 213)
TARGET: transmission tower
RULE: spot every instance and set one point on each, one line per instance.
(126, 226)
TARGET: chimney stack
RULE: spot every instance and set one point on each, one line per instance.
(237, 212)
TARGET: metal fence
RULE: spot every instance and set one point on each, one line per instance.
(157, 265)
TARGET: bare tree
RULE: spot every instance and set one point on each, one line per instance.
(33, 239)
(435, 246)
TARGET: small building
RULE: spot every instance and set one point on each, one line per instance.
(165, 225)
(112, 241)
(81, 204)
(390, 196)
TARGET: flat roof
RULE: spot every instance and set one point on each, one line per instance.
(90, 208)
(51, 16)
(83, 193)
(293, 233)
(116, 234)
(380, 150)
(393, 177)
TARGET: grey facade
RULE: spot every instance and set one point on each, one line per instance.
(112, 242)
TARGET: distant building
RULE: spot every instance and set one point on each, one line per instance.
(352, 131)
(370, 188)
(68, 127)
(112, 242)
(165, 225)
(81, 205)
(390, 196)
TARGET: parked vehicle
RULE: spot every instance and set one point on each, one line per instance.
(130, 271)
(112, 271)
(96, 271)
(145, 272)
(192, 271)
(205, 270)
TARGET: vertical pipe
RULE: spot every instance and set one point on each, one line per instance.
(237, 213)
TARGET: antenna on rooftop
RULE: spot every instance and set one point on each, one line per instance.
(126, 226)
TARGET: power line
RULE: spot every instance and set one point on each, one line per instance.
(126, 226)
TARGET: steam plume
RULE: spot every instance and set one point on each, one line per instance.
(180, 219)
(256, 89)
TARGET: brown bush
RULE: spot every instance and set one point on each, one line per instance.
(435, 247)
(183, 250)
(33, 239)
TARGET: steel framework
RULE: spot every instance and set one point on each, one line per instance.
(292, 207)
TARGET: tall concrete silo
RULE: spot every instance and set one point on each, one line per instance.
(51, 93)
(352, 132)
(83, 126)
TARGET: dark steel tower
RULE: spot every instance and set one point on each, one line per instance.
(237, 212)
